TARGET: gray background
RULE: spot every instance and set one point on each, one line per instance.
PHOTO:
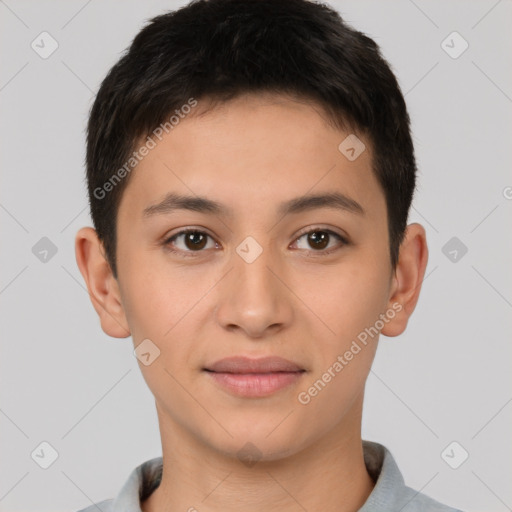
(448, 378)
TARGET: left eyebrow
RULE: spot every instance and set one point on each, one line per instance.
(334, 200)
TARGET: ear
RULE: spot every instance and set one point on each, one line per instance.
(408, 278)
(101, 284)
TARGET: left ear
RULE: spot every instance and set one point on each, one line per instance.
(408, 278)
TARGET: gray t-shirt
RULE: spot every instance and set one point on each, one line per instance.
(390, 493)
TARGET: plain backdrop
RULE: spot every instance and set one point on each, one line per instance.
(447, 379)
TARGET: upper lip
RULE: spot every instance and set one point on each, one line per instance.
(251, 365)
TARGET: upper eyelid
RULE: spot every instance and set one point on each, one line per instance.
(318, 228)
(184, 231)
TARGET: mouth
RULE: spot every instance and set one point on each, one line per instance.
(256, 378)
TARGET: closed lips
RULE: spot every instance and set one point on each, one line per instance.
(245, 365)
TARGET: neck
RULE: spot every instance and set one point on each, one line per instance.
(328, 475)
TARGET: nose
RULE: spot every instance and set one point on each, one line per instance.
(253, 299)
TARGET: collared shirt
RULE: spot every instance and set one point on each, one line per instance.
(390, 493)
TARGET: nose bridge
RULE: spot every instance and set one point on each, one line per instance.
(251, 267)
(252, 298)
(255, 281)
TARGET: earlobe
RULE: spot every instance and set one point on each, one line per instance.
(101, 284)
(409, 275)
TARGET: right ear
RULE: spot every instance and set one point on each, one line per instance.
(102, 285)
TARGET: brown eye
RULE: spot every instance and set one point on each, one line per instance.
(190, 241)
(318, 239)
(195, 240)
(322, 241)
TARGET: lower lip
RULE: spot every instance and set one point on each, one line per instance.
(255, 384)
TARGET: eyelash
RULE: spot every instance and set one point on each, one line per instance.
(325, 252)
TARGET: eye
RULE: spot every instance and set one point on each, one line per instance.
(320, 240)
(190, 240)
(317, 240)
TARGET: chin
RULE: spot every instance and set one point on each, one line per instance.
(265, 440)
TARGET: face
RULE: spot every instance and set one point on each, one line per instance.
(265, 271)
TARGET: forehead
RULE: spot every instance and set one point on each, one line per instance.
(250, 151)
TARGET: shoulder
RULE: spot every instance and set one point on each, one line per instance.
(390, 491)
(415, 501)
(141, 482)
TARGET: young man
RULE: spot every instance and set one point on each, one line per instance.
(250, 171)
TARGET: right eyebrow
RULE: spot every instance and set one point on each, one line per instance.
(172, 202)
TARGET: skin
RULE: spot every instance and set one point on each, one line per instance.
(251, 154)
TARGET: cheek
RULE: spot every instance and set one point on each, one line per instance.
(343, 301)
(166, 304)
(353, 301)
(350, 306)
(159, 307)
(153, 300)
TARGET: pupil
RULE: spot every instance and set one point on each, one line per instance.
(195, 240)
(318, 239)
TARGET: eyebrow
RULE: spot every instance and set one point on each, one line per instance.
(334, 200)
(173, 202)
